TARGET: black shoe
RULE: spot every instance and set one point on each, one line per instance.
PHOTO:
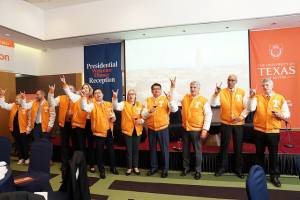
(136, 172)
(128, 172)
(164, 174)
(275, 181)
(102, 174)
(240, 175)
(197, 175)
(114, 171)
(220, 172)
(185, 172)
(151, 172)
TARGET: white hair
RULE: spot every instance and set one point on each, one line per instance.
(195, 83)
(267, 80)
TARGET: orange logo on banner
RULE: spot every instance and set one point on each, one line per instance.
(275, 54)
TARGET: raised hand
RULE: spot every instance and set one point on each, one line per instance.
(63, 79)
(252, 93)
(218, 88)
(23, 95)
(173, 82)
(51, 88)
(115, 94)
(2, 92)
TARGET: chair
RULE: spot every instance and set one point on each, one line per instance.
(256, 184)
(297, 162)
(39, 168)
(7, 183)
(5, 148)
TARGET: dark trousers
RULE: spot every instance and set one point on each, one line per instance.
(38, 133)
(269, 140)
(66, 133)
(237, 133)
(193, 137)
(79, 135)
(90, 143)
(108, 142)
(132, 153)
(22, 143)
(163, 138)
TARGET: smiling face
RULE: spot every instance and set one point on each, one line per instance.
(194, 88)
(267, 86)
(98, 95)
(231, 81)
(131, 95)
(39, 95)
(156, 90)
(86, 89)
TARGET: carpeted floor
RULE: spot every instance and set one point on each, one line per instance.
(175, 187)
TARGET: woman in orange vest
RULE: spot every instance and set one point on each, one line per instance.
(81, 123)
(196, 119)
(132, 127)
(270, 110)
(102, 118)
(65, 113)
(17, 124)
(233, 111)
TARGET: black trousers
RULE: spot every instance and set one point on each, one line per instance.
(80, 136)
(236, 131)
(269, 140)
(38, 133)
(66, 134)
(132, 147)
(90, 144)
(193, 137)
(22, 144)
(108, 142)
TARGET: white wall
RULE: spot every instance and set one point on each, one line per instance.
(121, 15)
(23, 17)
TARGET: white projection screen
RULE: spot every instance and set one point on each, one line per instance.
(207, 58)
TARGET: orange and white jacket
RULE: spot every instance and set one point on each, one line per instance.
(233, 104)
(129, 114)
(65, 110)
(79, 116)
(159, 119)
(22, 115)
(46, 117)
(196, 113)
(264, 120)
(100, 113)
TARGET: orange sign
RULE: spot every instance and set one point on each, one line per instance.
(7, 43)
(275, 54)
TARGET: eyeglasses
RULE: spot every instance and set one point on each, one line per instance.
(231, 80)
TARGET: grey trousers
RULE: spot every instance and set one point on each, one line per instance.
(193, 137)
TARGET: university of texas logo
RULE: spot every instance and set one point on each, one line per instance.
(275, 50)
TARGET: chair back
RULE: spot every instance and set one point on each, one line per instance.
(40, 156)
(256, 184)
(5, 148)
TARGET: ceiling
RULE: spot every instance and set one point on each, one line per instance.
(251, 24)
(50, 4)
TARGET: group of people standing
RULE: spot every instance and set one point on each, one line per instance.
(87, 119)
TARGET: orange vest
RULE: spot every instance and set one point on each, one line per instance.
(231, 105)
(45, 114)
(193, 112)
(158, 120)
(100, 123)
(128, 122)
(64, 106)
(264, 120)
(22, 118)
(79, 116)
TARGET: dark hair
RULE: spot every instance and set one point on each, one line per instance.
(155, 84)
(96, 90)
(42, 92)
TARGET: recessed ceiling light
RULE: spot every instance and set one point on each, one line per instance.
(274, 23)
(227, 27)
(7, 34)
(183, 30)
(144, 34)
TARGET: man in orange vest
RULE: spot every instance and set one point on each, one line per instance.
(102, 118)
(65, 113)
(196, 119)
(156, 114)
(270, 110)
(42, 116)
(17, 124)
(233, 111)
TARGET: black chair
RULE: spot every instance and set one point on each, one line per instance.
(5, 148)
(256, 184)
(7, 183)
(39, 168)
